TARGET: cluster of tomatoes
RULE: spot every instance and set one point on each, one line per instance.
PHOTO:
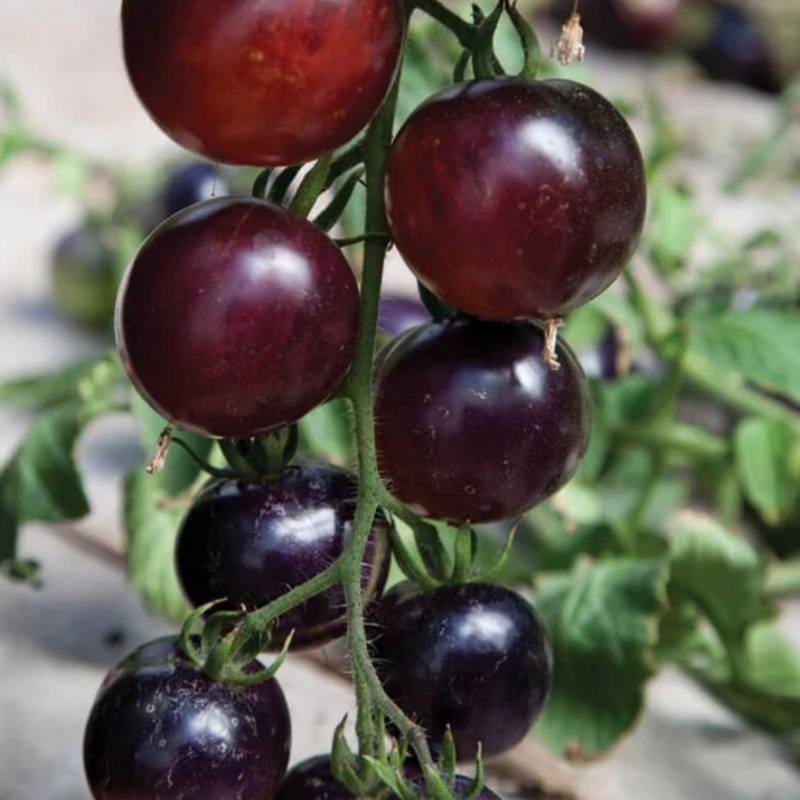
(511, 200)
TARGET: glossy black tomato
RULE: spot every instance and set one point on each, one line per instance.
(472, 426)
(608, 359)
(736, 50)
(236, 318)
(84, 278)
(265, 83)
(474, 657)
(192, 183)
(516, 199)
(397, 315)
(313, 780)
(159, 729)
(252, 542)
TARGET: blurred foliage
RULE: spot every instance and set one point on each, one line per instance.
(707, 419)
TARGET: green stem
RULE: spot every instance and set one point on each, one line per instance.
(730, 390)
(254, 624)
(369, 690)
(685, 439)
(460, 28)
(734, 393)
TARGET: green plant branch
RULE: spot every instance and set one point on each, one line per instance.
(731, 391)
(369, 690)
(460, 28)
(687, 440)
(734, 393)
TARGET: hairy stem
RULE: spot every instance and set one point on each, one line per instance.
(369, 691)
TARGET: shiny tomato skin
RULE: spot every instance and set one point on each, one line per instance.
(236, 318)
(266, 82)
(251, 542)
(159, 729)
(475, 657)
(514, 199)
(472, 426)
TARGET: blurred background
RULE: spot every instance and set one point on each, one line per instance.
(711, 89)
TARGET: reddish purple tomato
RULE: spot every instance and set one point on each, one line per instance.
(630, 24)
(399, 314)
(159, 729)
(253, 542)
(514, 199)
(262, 83)
(236, 318)
(313, 780)
(474, 657)
(472, 426)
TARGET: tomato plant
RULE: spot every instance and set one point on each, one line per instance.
(250, 352)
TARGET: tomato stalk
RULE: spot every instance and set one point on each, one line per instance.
(370, 694)
(461, 29)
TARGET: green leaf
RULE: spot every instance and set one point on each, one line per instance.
(180, 471)
(764, 453)
(151, 525)
(579, 504)
(672, 229)
(46, 390)
(720, 572)
(328, 432)
(41, 482)
(768, 693)
(761, 346)
(602, 619)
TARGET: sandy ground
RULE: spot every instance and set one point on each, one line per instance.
(55, 644)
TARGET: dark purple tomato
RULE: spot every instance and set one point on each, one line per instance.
(160, 729)
(630, 24)
(262, 83)
(192, 183)
(253, 542)
(735, 50)
(313, 780)
(236, 318)
(474, 657)
(516, 199)
(472, 425)
(399, 314)
(608, 359)
(84, 278)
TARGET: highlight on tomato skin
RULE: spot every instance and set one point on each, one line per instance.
(472, 425)
(515, 199)
(250, 542)
(220, 312)
(474, 657)
(160, 729)
(262, 84)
